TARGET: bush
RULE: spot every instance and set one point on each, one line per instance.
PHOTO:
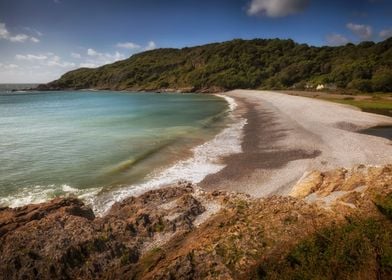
(361, 85)
(382, 80)
(348, 251)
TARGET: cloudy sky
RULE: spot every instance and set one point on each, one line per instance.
(42, 39)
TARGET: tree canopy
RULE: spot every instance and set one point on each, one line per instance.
(250, 64)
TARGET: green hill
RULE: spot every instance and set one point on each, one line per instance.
(251, 64)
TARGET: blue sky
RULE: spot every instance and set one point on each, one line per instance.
(42, 39)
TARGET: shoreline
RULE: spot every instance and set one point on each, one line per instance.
(288, 136)
(205, 159)
(170, 173)
(271, 150)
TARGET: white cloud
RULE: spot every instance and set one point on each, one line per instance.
(151, 46)
(133, 46)
(35, 31)
(336, 39)
(94, 58)
(31, 57)
(18, 38)
(88, 65)
(128, 45)
(117, 56)
(97, 58)
(47, 66)
(364, 32)
(276, 8)
(8, 66)
(76, 55)
(386, 33)
(34, 39)
(3, 31)
(105, 56)
(55, 60)
(48, 59)
(92, 52)
(29, 74)
(39, 68)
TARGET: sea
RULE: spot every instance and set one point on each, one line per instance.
(104, 146)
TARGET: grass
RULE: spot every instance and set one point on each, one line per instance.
(360, 248)
(350, 251)
(377, 105)
(149, 260)
(384, 205)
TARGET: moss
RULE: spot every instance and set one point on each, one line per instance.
(129, 256)
(241, 206)
(159, 226)
(229, 253)
(384, 205)
(290, 219)
(150, 258)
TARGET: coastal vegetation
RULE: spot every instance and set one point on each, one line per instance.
(381, 106)
(250, 64)
(377, 103)
(337, 252)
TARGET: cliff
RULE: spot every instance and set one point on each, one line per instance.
(335, 225)
(250, 64)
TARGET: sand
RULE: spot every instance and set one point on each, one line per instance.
(288, 136)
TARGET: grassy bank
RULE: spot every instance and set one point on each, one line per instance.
(372, 103)
(359, 249)
(380, 106)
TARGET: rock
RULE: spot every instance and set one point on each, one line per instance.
(18, 217)
(62, 239)
(308, 184)
(330, 183)
(158, 235)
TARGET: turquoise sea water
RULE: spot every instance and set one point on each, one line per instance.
(54, 143)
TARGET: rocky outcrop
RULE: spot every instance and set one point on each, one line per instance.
(344, 189)
(62, 239)
(182, 232)
(256, 238)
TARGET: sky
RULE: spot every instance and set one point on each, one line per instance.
(42, 39)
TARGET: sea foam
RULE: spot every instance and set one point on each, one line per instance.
(206, 159)
(41, 193)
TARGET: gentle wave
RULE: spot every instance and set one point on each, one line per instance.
(129, 163)
(206, 160)
(230, 101)
(41, 193)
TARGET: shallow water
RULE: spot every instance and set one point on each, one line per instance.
(380, 131)
(55, 143)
